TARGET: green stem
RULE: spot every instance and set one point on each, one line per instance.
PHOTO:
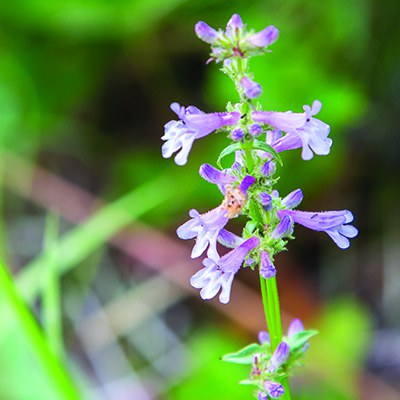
(285, 384)
(272, 291)
(269, 291)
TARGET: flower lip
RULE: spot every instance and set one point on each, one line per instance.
(218, 273)
(213, 175)
(205, 228)
(193, 124)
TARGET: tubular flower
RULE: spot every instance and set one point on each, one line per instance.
(251, 89)
(281, 354)
(218, 273)
(274, 389)
(296, 326)
(193, 124)
(265, 37)
(219, 178)
(312, 132)
(334, 223)
(206, 33)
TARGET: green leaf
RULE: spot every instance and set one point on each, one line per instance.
(251, 227)
(257, 145)
(243, 356)
(228, 150)
(267, 148)
(298, 340)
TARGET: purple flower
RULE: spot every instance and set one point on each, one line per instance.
(229, 239)
(237, 134)
(268, 168)
(247, 181)
(274, 389)
(265, 200)
(296, 326)
(267, 269)
(265, 37)
(206, 33)
(218, 273)
(194, 124)
(293, 199)
(262, 396)
(283, 229)
(219, 178)
(255, 130)
(234, 26)
(205, 228)
(263, 337)
(273, 136)
(281, 354)
(331, 222)
(251, 89)
(312, 132)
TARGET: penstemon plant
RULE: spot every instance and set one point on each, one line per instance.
(257, 139)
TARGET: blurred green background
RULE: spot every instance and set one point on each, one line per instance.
(99, 305)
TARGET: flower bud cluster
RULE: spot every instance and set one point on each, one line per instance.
(268, 368)
(236, 40)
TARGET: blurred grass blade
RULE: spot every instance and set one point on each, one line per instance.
(84, 239)
(56, 374)
(52, 318)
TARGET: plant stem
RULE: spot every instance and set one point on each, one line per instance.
(269, 291)
(272, 292)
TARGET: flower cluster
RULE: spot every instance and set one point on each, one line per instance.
(247, 187)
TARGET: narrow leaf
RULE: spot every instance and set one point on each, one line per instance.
(243, 356)
(268, 149)
(228, 150)
(300, 339)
